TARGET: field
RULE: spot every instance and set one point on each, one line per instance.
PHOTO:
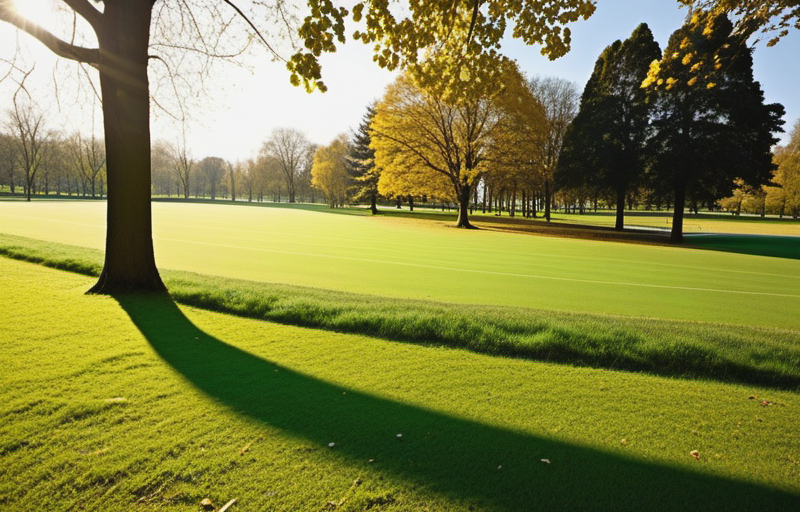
(141, 403)
(427, 260)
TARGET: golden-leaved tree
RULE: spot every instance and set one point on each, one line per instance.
(776, 16)
(425, 145)
(329, 171)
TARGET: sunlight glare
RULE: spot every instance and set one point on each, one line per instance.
(41, 12)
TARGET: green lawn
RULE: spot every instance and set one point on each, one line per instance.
(134, 403)
(408, 258)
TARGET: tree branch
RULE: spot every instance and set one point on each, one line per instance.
(56, 45)
(253, 27)
(87, 12)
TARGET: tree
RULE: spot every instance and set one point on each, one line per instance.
(213, 168)
(559, 99)
(604, 147)
(329, 171)
(123, 32)
(711, 125)
(8, 161)
(290, 147)
(183, 167)
(88, 158)
(417, 136)
(787, 175)
(361, 160)
(30, 138)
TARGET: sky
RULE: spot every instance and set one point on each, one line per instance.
(242, 105)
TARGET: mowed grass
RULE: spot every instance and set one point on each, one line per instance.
(428, 260)
(746, 354)
(134, 403)
(693, 224)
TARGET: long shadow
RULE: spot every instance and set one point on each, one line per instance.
(757, 245)
(451, 456)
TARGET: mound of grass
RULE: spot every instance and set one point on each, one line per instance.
(136, 403)
(769, 357)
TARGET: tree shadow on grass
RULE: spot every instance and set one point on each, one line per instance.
(448, 455)
(757, 245)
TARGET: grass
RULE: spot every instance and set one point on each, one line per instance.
(427, 260)
(135, 403)
(769, 357)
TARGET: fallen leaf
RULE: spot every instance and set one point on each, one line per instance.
(546, 461)
(228, 505)
(624, 442)
(695, 454)
(245, 449)
(206, 504)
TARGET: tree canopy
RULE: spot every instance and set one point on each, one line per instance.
(711, 125)
(426, 145)
(605, 145)
(329, 171)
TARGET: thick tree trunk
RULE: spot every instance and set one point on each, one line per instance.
(676, 236)
(463, 207)
(129, 259)
(620, 224)
(373, 204)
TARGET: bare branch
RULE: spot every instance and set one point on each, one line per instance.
(87, 11)
(56, 45)
(255, 29)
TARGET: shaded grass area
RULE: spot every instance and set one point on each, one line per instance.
(136, 403)
(769, 357)
(761, 245)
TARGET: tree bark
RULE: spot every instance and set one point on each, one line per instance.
(123, 40)
(547, 200)
(620, 223)
(373, 203)
(676, 236)
(463, 207)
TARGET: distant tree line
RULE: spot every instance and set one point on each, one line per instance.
(36, 160)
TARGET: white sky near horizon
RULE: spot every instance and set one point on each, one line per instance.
(246, 104)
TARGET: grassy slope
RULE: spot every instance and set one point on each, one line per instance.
(690, 349)
(135, 403)
(427, 260)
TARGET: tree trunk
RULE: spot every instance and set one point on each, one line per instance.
(620, 224)
(463, 207)
(676, 236)
(547, 200)
(373, 203)
(411, 203)
(123, 40)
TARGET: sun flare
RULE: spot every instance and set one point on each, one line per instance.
(41, 12)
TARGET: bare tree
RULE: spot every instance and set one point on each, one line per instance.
(30, 137)
(559, 98)
(290, 147)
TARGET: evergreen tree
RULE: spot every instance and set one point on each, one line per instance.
(604, 148)
(710, 123)
(362, 163)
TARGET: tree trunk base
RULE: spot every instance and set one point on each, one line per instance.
(110, 286)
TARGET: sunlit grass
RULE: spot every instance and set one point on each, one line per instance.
(131, 403)
(429, 260)
(687, 349)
